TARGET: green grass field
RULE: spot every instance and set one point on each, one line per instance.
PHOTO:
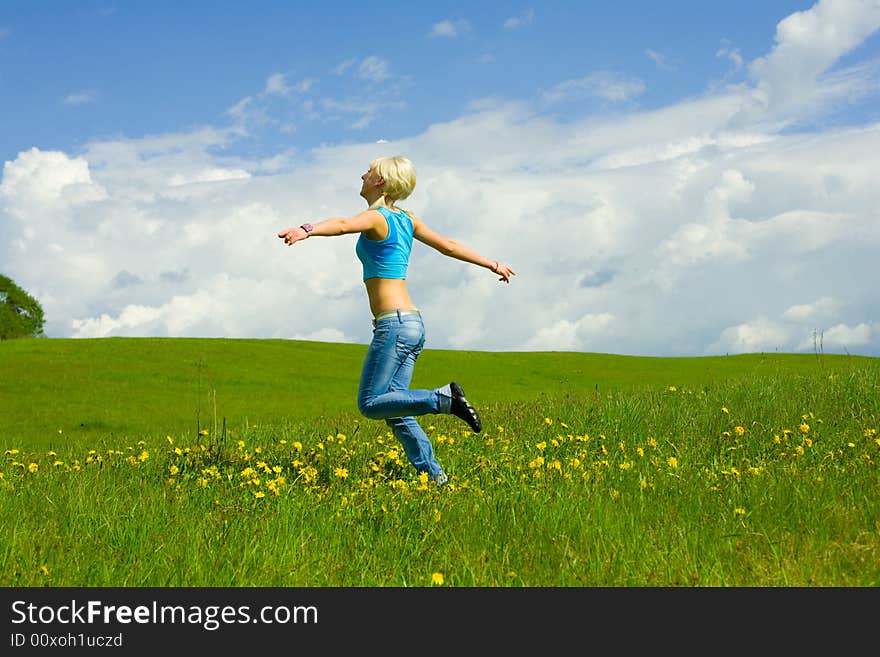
(211, 462)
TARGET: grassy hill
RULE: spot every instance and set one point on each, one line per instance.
(57, 390)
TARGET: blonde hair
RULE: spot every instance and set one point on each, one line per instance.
(399, 175)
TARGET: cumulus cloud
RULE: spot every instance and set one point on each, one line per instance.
(450, 29)
(701, 227)
(794, 79)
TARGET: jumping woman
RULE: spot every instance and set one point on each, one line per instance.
(386, 235)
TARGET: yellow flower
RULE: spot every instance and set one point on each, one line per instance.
(804, 427)
(170, 440)
(258, 494)
(44, 570)
(739, 511)
(144, 455)
(548, 420)
(541, 445)
(724, 409)
(437, 579)
(672, 388)
(672, 461)
(203, 432)
(33, 467)
(739, 430)
(342, 473)
(173, 470)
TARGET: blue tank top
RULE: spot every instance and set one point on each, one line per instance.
(387, 258)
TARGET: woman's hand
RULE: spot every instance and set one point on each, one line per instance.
(504, 271)
(293, 235)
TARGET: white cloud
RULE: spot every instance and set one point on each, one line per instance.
(759, 335)
(516, 22)
(731, 54)
(662, 61)
(38, 180)
(819, 310)
(565, 335)
(794, 77)
(450, 29)
(374, 68)
(80, 98)
(606, 86)
(276, 84)
(211, 174)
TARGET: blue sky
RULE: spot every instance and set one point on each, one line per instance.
(77, 72)
(674, 178)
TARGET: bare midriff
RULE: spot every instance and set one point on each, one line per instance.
(388, 294)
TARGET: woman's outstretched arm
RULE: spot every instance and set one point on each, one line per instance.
(366, 220)
(453, 249)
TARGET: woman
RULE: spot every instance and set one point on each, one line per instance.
(386, 234)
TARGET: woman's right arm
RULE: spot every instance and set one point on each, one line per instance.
(453, 249)
(334, 226)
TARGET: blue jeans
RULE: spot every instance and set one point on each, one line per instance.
(384, 392)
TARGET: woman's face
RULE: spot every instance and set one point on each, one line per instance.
(371, 180)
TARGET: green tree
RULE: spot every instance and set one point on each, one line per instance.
(21, 316)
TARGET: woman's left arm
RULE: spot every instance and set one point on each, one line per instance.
(332, 227)
(453, 249)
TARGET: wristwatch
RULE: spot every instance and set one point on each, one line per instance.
(308, 228)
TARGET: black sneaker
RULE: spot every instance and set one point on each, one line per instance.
(462, 408)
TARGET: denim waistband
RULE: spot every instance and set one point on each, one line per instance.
(395, 313)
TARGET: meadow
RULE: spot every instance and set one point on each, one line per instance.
(209, 462)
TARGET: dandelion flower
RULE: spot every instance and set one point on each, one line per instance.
(724, 409)
(342, 473)
(672, 461)
(548, 420)
(33, 467)
(804, 427)
(437, 579)
(739, 511)
(739, 430)
(44, 570)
